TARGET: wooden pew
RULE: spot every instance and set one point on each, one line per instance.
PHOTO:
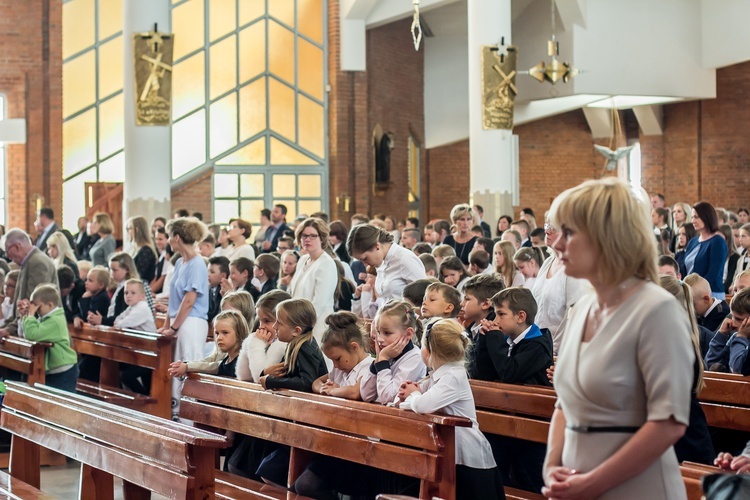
(419, 446)
(524, 412)
(26, 357)
(147, 452)
(15, 489)
(115, 346)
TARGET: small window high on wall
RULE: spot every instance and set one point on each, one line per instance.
(2, 164)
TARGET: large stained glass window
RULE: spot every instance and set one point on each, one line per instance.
(250, 100)
(93, 137)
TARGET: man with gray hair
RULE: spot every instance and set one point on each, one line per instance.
(36, 269)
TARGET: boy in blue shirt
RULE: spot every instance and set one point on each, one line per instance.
(729, 350)
(61, 370)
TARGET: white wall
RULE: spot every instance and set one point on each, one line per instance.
(725, 34)
(446, 90)
(531, 31)
(642, 47)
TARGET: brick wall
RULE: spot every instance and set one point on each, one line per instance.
(389, 93)
(704, 152)
(450, 162)
(31, 79)
(395, 73)
(195, 196)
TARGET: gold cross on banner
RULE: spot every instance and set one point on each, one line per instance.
(157, 71)
(507, 79)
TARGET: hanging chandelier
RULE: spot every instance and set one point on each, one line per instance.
(553, 70)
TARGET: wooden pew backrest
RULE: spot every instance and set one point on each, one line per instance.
(159, 455)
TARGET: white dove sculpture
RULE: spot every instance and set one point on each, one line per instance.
(613, 156)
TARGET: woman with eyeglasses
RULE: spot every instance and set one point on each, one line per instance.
(316, 277)
(554, 291)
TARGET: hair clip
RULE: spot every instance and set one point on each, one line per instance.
(464, 334)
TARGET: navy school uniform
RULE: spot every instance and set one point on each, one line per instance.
(524, 363)
(89, 365)
(715, 317)
(520, 462)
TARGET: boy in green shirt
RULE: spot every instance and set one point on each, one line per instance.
(61, 368)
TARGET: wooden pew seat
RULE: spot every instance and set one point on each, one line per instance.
(114, 346)
(12, 488)
(147, 452)
(230, 486)
(419, 446)
(26, 357)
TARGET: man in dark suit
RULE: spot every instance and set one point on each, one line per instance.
(486, 229)
(46, 226)
(82, 239)
(273, 233)
(36, 269)
(523, 229)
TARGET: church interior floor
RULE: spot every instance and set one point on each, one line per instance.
(62, 482)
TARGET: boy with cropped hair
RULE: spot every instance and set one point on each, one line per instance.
(514, 350)
(440, 301)
(709, 310)
(430, 265)
(138, 315)
(728, 350)
(60, 360)
(265, 271)
(479, 262)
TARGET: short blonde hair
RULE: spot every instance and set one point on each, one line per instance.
(618, 223)
(45, 293)
(101, 275)
(462, 209)
(137, 283)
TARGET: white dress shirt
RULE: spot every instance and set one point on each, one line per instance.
(383, 386)
(137, 317)
(447, 391)
(399, 268)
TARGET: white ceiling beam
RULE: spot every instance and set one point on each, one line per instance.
(650, 119)
(600, 122)
(356, 9)
(13, 131)
(544, 108)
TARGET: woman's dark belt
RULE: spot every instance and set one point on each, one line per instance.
(585, 429)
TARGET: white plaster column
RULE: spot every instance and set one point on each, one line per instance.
(147, 149)
(492, 153)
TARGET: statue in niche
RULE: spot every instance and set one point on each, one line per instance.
(383, 143)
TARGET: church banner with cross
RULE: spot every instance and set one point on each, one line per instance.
(153, 77)
(498, 86)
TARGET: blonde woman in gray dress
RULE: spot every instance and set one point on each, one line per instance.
(625, 366)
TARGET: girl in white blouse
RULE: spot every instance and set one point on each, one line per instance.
(396, 266)
(447, 391)
(344, 344)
